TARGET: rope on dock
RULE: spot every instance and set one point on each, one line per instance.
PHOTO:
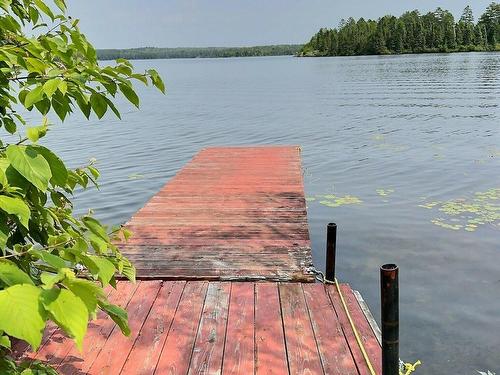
(405, 368)
(321, 277)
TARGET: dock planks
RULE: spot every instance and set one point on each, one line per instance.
(232, 213)
(199, 327)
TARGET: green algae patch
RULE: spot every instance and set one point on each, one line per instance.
(429, 205)
(332, 200)
(135, 176)
(381, 143)
(310, 199)
(384, 192)
(468, 213)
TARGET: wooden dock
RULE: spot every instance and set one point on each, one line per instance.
(233, 213)
(226, 287)
(200, 327)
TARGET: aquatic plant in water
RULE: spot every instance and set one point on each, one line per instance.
(332, 200)
(468, 214)
(380, 142)
(384, 192)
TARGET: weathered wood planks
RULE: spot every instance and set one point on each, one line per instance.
(232, 213)
(199, 327)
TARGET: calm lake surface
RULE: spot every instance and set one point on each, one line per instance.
(401, 136)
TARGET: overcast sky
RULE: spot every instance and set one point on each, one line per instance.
(199, 23)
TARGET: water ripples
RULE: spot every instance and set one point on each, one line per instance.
(425, 126)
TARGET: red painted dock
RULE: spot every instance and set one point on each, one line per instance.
(232, 213)
(200, 327)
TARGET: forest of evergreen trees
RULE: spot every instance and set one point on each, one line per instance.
(436, 31)
(182, 52)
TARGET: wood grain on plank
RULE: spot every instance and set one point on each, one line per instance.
(108, 361)
(346, 327)
(177, 351)
(227, 197)
(364, 329)
(239, 347)
(21, 349)
(303, 355)
(209, 344)
(146, 351)
(334, 351)
(270, 348)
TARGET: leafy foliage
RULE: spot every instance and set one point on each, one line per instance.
(53, 265)
(410, 33)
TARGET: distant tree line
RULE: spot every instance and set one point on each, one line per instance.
(176, 53)
(411, 33)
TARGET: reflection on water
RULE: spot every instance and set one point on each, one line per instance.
(395, 132)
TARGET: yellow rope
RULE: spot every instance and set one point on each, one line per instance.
(356, 334)
(408, 367)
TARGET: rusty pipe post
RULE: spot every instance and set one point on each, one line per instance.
(389, 289)
(331, 248)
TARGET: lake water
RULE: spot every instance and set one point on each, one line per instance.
(400, 136)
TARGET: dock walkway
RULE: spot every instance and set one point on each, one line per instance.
(226, 287)
(232, 213)
(200, 327)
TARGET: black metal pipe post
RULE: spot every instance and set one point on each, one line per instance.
(389, 289)
(331, 248)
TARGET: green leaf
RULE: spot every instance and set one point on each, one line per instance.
(129, 271)
(140, 77)
(60, 104)
(34, 15)
(68, 311)
(99, 104)
(50, 279)
(35, 65)
(57, 168)
(61, 5)
(94, 172)
(10, 125)
(156, 80)
(100, 246)
(124, 62)
(30, 164)
(126, 234)
(83, 104)
(44, 8)
(33, 96)
(158, 83)
(63, 87)
(36, 132)
(10, 274)
(51, 86)
(5, 342)
(17, 207)
(113, 108)
(95, 227)
(49, 258)
(21, 314)
(87, 291)
(118, 315)
(4, 233)
(43, 106)
(129, 94)
(105, 268)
